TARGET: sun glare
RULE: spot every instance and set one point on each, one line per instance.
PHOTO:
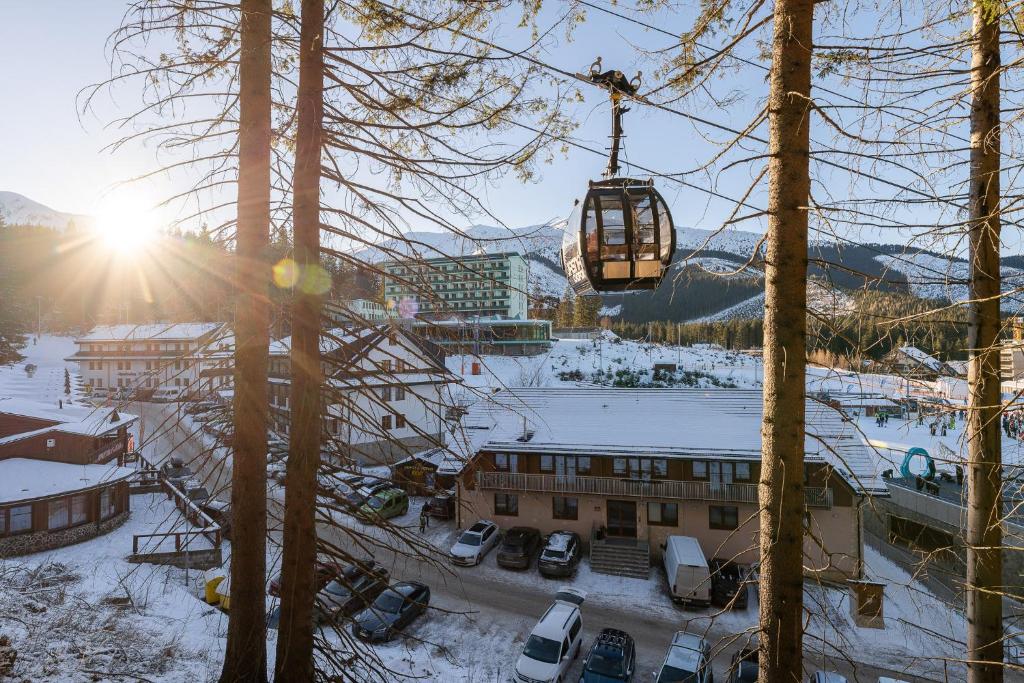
(126, 227)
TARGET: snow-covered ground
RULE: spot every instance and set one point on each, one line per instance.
(46, 385)
(571, 362)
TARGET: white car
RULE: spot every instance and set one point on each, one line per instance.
(554, 642)
(688, 659)
(168, 395)
(474, 543)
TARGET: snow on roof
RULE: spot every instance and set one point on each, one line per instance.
(443, 459)
(558, 541)
(26, 479)
(693, 423)
(153, 331)
(71, 419)
(919, 356)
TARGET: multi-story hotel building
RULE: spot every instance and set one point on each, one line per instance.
(143, 358)
(627, 468)
(477, 285)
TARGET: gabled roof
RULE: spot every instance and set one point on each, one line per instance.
(918, 356)
(150, 332)
(667, 423)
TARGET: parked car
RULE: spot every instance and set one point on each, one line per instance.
(358, 496)
(441, 506)
(518, 546)
(392, 611)
(555, 641)
(168, 395)
(385, 504)
(612, 657)
(728, 583)
(356, 587)
(687, 571)
(220, 512)
(326, 571)
(175, 471)
(743, 668)
(561, 555)
(195, 491)
(474, 543)
(207, 416)
(688, 659)
(827, 677)
(199, 407)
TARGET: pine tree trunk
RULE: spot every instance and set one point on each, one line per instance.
(984, 446)
(246, 655)
(295, 633)
(781, 490)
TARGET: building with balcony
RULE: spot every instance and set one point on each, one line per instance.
(632, 467)
(385, 392)
(357, 312)
(497, 336)
(62, 478)
(477, 285)
(143, 358)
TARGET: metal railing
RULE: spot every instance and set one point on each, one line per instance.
(205, 525)
(636, 488)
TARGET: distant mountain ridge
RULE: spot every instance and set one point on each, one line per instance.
(17, 209)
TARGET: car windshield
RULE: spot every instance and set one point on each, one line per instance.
(670, 674)
(542, 649)
(376, 503)
(554, 555)
(337, 589)
(512, 544)
(469, 538)
(606, 662)
(389, 601)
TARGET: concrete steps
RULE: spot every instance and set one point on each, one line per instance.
(621, 559)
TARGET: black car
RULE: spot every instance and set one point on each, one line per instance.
(441, 506)
(356, 588)
(561, 554)
(743, 668)
(518, 547)
(392, 611)
(612, 657)
(728, 583)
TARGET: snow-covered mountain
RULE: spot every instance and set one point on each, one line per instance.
(16, 209)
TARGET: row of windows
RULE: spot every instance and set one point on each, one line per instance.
(388, 422)
(645, 468)
(721, 517)
(127, 348)
(60, 514)
(496, 264)
(391, 394)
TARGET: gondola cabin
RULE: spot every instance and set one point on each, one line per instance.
(619, 238)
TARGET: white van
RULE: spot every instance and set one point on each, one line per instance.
(554, 642)
(686, 567)
(168, 395)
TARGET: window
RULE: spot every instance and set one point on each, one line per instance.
(399, 394)
(58, 514)
(660, 467)
(506, 504)
(385, 365)
(385, 422)
(20, 519)
(3, 522)
(547, 463)
(743, 471)
(385, 394)
(700, 469)
(619, 466)
(663, 514)
(108, 504)
(583, 464)
(399, 421)
(79, 509)
(501, 462)
(725, 517)
(564, 508)
(576, 626)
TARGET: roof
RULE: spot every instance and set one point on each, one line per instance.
(27, 479)
(487, 321)
(919, 356)
(442, 459)
(665, 423)
(154, 331)
(685, 651)
(553, 624)
(71, 419)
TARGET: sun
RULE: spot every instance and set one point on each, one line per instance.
(126, 227)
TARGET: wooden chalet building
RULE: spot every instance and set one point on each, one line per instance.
(62, 478)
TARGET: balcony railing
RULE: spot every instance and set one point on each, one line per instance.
(636, 488)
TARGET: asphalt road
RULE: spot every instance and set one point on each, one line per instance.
(471, 592)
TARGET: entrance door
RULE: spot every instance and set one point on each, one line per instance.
(622, 518)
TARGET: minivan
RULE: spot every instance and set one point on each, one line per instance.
(686, 568)
(555, 641)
